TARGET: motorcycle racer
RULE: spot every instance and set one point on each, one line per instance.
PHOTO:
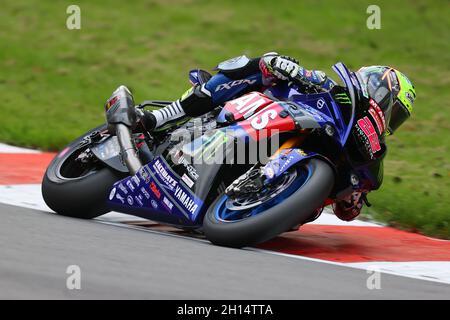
(389, 90)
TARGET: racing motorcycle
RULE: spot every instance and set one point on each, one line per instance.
(120, 167)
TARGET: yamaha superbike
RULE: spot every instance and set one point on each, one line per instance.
(119, 166)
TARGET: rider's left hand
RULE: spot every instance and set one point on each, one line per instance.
(349, 209)
(284, 67)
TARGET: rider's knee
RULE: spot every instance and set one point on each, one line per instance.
(197, 101)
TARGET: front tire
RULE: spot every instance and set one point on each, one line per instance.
(291, 211)
(72, 192)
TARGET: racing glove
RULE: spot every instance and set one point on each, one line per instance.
(279, 67)
(348, 209)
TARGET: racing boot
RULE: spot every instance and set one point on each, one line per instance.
(194, 102)
(157, 118)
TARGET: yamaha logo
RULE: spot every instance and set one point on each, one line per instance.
(320, 104)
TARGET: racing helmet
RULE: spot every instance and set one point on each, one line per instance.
(391, 90)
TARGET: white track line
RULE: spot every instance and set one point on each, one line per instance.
(432, 270)
(5, 148)
(30, 196)
(437, 273)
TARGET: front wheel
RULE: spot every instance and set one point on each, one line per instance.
(255, 218)
(76, 184)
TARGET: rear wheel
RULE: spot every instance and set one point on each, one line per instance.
(76, 184)
(256, 217)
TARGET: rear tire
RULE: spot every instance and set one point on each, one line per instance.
(81, 197)
(280, 218)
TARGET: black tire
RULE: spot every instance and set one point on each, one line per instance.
(293, 211)
(81, 197)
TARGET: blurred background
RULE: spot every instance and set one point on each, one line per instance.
(54, 81)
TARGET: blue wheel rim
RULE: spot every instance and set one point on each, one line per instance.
(223, 214)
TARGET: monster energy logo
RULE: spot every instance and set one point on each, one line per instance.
(219, 146)
(342, 98)
(211, 145)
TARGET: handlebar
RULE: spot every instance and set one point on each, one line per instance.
(299, 80)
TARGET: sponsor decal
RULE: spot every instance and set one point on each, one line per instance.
(168, 180)
(380, 113)
(186, 200)
(234, 83)
(130, 185)
(370, 134)
(321, 103)
(144, 175)
(155, 190)
(112, 193)
(268, 121)
(301, 152)
(259, 122)
(168, 203)
(139, 200)
(410, 97)
(154, 204)
(136, 180)
(120, 198)
(187, 180)
(286, 163)
(249, 103)
(374, 104)
(145, 193)
(112, 102)
(123, 189)
(342, 98)
(213, 143)
(130, 200)
(190, 169)
(377, 120)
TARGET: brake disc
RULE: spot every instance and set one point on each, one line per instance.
(244, 201)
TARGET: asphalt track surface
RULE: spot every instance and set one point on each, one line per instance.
(123, 263)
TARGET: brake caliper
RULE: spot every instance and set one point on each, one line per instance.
(88, 140)
(95, 136)
(250, 182)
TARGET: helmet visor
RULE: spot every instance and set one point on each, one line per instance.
(379, 85)
(399, 114)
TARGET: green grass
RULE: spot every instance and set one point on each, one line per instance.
(53, 81)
